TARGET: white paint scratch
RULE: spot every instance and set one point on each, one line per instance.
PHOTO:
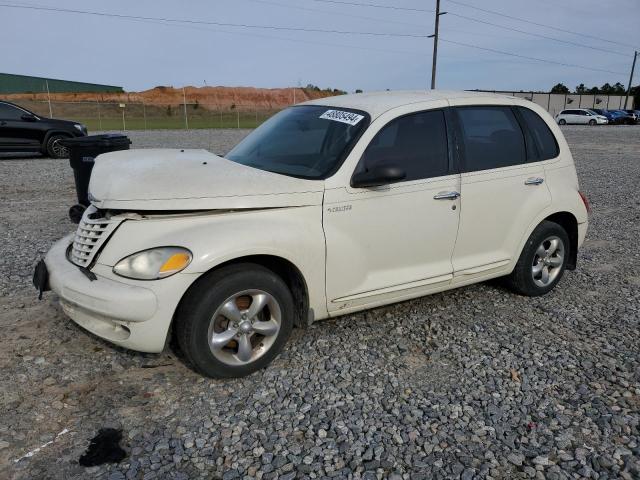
(36, 450)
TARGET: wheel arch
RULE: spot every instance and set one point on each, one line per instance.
(286, 270)
(52, 132)
(570, 225)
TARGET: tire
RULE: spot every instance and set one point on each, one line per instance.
(562, 121)
(592, 122)
(54, 150)
(218, 307)
(547, 249)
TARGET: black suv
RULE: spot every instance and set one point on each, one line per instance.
(24, 131)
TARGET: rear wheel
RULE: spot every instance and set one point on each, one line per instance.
(562, 121)
(54, 149)
(235, 320)
(592, 122)
(542, 261)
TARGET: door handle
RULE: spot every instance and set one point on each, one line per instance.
(534, 181)
(446, 196)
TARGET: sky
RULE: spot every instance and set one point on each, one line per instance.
(139, 54)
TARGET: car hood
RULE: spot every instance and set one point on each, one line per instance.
(165, 179)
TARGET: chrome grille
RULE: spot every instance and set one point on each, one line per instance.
(91, 234)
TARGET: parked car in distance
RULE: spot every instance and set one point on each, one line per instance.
(24, 131)
(611, 117)
(332, 206)
(632, 115)
(580, 116)
(619, 117)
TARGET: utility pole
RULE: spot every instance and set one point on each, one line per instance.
(435, 44)
(633, 67)
(49, 97)
(184, 101)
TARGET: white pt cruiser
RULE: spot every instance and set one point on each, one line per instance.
(330, 207)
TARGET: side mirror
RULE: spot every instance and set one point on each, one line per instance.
(377, 176)
(27, 117)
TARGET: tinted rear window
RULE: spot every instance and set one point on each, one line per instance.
(492, 138)
(543, 144)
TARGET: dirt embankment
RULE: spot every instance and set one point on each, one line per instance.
(216, 97)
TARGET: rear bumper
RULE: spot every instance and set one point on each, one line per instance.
(134, 315)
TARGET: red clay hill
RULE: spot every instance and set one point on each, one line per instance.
(215, 97)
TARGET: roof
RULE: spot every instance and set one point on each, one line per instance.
(13, 83)
(376, 103)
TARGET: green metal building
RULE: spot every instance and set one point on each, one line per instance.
(10, 83)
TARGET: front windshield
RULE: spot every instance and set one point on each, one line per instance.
(307, 141)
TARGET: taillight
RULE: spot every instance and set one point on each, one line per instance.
(585, 200)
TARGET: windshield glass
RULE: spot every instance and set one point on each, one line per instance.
(307, 141)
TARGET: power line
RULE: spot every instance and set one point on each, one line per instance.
(493, 12)
(374, 5)
(576, 44)
(539, 35)
(531, 58)
(287, 39)
(219, 24)
(187, 22)
(333, 12)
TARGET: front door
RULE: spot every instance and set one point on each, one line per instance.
(394, 241)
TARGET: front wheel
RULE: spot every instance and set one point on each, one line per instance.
(592, 122)
(235, 320)
(54, 149)
(562, 121)
(542, 261)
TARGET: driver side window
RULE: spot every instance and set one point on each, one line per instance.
(417, 143)
(8, 112)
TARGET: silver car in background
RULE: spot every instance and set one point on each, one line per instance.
(580, 116)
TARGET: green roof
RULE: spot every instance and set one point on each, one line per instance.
(10, 83)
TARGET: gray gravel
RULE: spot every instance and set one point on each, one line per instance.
(472, 383)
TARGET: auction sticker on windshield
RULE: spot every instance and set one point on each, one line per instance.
(342, 116)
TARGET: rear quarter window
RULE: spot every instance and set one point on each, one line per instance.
(541, 144)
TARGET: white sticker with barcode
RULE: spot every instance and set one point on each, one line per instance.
(342, 116)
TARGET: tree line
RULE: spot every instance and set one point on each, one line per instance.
(606, 89)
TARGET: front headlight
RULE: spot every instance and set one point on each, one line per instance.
(153, 264)
(80, 127)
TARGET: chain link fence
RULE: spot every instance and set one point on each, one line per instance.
(99, 116)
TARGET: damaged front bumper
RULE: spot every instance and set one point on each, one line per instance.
(134, 314)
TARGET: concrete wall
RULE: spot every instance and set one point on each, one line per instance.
(556, 102)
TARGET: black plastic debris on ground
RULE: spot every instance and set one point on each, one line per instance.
(104, 448)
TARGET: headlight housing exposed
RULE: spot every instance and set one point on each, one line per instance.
(154, 263)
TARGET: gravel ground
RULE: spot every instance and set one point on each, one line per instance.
(471, 383)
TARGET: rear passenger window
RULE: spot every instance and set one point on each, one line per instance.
(417, 143)
(544, 145)
(492, 138)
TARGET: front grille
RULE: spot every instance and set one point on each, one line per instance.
(94, 229)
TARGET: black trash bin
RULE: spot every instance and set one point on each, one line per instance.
(82, 153)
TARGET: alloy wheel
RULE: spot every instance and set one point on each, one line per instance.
(59, 150)
(244, 327)
(548, 261)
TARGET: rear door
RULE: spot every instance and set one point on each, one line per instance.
(16, 133)
(501, 193)
(572, 116)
